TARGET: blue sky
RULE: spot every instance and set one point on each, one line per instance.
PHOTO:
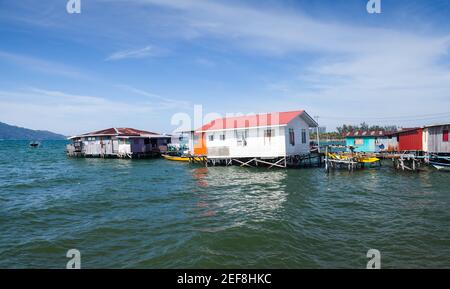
(137, 63)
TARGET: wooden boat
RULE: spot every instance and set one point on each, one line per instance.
(441, 166)
(180, 158)
(34, 144)
(176, 158)
(441, 163)
(368, 160)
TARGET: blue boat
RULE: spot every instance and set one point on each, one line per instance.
(441, 163)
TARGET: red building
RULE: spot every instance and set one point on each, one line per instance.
(410, 139)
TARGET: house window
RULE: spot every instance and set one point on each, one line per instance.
(291, 136)
(268, 134)
(445, 135)
(358, 141)
(211, 137)
(146, 141)
(303, 135)
(222, 137)
(241, 137)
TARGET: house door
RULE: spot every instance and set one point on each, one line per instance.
(200, 144)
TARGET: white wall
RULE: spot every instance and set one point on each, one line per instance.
(115, 146)
(256, 144)
(297, 125)
(92, 147)
(432, 139)
(124, 149)
(390, 144)
(97, 146)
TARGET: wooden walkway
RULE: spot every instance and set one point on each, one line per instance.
(292, 161)
(405, 161)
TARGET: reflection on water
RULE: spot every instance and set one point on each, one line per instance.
(200, 175)
(160, 214)
(243, 195)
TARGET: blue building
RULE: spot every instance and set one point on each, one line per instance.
(371, 141)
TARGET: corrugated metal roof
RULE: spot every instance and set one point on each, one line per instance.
(256, 120)
(407, 129)
(132, 131)
(123, 131)
(437, 124)
(374, 133)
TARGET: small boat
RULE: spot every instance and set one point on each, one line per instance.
(441, 166)
(357, 158)
(182, 158)
(176, 158)
(34, 144)
(368, 160)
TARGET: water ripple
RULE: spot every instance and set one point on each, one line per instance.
(158, 214)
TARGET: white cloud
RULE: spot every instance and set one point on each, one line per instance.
(355, 70)
(41, 65)
(70, 113)
(162, 102)
(350, 69)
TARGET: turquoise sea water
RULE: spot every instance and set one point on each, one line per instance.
(160, 214)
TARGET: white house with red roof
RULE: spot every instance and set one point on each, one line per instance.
(264, 136)
(118, 142)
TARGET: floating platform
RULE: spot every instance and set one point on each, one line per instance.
(349, 160)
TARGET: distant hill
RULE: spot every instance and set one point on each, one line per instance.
(10, 132)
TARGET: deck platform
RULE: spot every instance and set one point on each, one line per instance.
(292, 161)
(406, 161)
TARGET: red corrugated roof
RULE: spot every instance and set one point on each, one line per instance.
(132, 131)
(373, 133)
(122, 131)
(266, 119)
(108, 131)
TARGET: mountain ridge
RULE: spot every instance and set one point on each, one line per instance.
(12, 132)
